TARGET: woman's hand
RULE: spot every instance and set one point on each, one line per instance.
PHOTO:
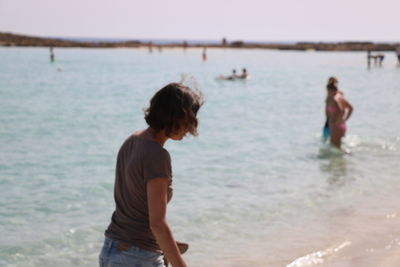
(157, 205)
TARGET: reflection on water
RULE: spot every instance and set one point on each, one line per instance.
(335, 166)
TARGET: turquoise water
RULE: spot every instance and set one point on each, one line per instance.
(255, 188)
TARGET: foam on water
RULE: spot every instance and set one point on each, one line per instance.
(318, 257)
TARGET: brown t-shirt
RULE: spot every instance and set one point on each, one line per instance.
(138, 161)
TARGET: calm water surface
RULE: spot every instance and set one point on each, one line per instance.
(256, 188)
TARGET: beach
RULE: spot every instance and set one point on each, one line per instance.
(257, 187)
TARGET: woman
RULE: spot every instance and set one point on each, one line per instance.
(326, 131)
(338, 110)
(139, 234)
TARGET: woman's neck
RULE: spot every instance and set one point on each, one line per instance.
(158, 137)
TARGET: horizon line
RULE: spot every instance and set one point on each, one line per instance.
(110, 39)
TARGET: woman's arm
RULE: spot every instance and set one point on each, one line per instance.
(157, 205)
(338, 99)
(349, 109)
(336, 116)
(326, 108)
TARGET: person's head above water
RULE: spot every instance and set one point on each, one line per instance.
(233, 71)
(244, 70)
(173, 108)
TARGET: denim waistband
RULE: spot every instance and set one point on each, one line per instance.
(110, 243)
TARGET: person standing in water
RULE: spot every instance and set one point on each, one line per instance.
(204, 54)
(139, 233)
(338, 110)
(51, 54)
(398, 55)
(326, 131)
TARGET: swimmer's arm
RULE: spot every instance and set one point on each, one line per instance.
(349, 109)
(157, 205)
(326, 108)
(337, 100)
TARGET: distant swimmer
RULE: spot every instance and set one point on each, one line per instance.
(380, 57)
(234, 76)
(398, 54)
(369, 59)
(52, 57)
(338, 110)
(244, 74)
(204, 55)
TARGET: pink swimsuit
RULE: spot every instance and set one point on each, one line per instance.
(343, 126)
(332, 109)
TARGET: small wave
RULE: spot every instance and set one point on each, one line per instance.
(371, 143)
(317, 257)
(328, 151)
(355, 143)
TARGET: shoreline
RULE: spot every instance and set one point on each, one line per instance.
(11, 40)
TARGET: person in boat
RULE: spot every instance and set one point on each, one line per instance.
(234, 76)
(244, 74)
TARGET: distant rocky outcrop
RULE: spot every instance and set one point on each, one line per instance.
(346, 46)
(320, 46)
(10, 39)
(237, 44)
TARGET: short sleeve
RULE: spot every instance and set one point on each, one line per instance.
(157, 164)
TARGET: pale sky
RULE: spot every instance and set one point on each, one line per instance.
(266, 20)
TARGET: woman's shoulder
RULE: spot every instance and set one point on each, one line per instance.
(150, 146)
(153, 151)
(338, 97)
(144, 148)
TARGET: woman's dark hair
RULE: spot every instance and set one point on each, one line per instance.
(331, 86)
(173, 107)
(333, 80)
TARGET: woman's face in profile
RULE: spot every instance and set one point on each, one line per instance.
(178, 135)
(181, 132)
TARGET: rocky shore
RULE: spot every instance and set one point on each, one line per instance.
(10, 39)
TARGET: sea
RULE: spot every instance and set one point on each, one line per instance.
(257, 187)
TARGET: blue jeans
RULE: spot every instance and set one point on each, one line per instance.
(111, 256)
